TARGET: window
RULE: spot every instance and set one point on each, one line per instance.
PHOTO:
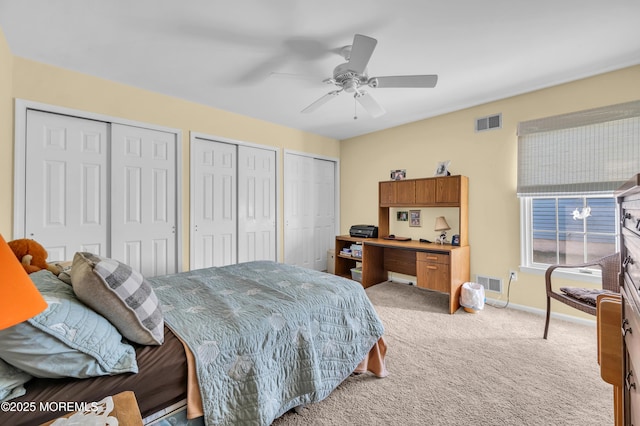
(568, 169)
(570, 229)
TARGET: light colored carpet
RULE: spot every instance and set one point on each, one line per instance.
(489, 368)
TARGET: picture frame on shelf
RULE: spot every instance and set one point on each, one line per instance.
(443, 168)
(414, 218)
(398, 174)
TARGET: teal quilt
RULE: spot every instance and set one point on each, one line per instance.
(267, 337)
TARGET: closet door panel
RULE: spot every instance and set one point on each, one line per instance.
(299, 204)
(325, 208)
(66, 191)
(214, 197)
(143, 209)
(256, 204)
(309, 200)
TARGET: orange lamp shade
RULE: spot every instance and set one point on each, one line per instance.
(19, 297)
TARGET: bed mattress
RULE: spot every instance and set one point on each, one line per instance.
(160, 382)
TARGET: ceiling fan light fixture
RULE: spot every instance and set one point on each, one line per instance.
(350, 86)
(352, 75)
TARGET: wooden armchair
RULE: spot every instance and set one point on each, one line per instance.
(610, 266)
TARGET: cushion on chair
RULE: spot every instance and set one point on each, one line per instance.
(586, 295)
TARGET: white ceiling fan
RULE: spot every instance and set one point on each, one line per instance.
(351, 77)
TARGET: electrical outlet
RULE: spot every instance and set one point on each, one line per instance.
(513, 275)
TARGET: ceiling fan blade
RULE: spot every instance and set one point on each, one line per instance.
(427, 81)
(361, 52)
(370, 104)
(323, 100)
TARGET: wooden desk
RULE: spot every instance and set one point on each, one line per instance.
(442, 268)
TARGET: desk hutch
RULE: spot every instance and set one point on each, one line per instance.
(439, 267)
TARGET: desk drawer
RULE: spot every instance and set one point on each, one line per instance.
(433, 271)
(432, 257)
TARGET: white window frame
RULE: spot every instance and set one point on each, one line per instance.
(526, 246)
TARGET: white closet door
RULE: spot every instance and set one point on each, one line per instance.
(143, 213)
(256, 204)
(299, 204)
(66, 191)
(325, 211)
(213, 195)
(309, 204)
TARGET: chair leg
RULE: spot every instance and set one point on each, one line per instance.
(546, 325)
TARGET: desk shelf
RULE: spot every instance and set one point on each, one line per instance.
(343, 262)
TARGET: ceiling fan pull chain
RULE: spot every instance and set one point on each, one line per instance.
(355, 108)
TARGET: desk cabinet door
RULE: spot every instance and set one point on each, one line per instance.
(387, 193)
(426, 191)
(397, 193)
(433, 272)
(448, 190)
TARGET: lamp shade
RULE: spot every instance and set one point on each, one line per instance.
(441, 224)
(19, 297)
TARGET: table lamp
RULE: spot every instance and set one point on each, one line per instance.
(443, 227)
(19, 297)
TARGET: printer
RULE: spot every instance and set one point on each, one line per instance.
(364, 231)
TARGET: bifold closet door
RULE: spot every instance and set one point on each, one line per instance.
(214, 201)
(299, 205)
(256, 204)
(143, 200)
(324, 230)
(66, 197)
(309, 209)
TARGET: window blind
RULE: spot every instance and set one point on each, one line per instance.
(586, 152)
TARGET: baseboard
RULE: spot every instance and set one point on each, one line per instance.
(542, 312)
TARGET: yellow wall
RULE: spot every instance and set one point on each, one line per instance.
(33, 81)
(488, 159)
(6, 138)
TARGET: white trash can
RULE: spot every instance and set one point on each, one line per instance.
(472, 297)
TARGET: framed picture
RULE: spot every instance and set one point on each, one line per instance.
(443, 168)
(414, 218)
(398, 174)
(403, 216)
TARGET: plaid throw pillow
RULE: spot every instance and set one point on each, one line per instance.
(120, 294)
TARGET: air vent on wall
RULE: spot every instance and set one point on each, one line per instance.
(489, 123)
(490, 283)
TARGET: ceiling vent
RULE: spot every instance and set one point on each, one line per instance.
(489, 123)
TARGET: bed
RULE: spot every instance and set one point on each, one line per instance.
(240, 344)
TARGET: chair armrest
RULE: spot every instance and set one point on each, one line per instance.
(603, 262)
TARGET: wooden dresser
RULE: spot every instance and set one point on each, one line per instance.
(628, 197)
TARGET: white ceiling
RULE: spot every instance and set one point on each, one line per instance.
(235, 55)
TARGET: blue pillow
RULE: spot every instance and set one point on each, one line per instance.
(12, 381)
(66, 340)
